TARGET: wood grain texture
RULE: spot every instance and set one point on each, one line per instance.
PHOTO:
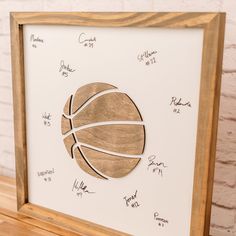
(67, 107)
(17, 224)
(22, 224)
(122, 138)
(7, 193)
(18, 85)
(111, 165)
(117, 19)
(12, 227)
(85, 165)
(65, 125)
(114, 106)
(8, 213)
(207, 125)
(69, 223)
(86, 92)
(69, 141)
(213, 26)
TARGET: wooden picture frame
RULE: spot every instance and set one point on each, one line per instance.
(213, 28)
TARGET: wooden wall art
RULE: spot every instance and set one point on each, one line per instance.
(116, 119)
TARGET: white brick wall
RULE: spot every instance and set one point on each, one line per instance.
(223, 221)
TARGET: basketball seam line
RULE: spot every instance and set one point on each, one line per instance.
(84, 105)
(72, 153)
(70, 104)
(135, 106)
(92, 99)
(131, 156)
(138, 159)
(103, 123)
(76, 141)
(119, 156)
(88, 163)
(144, 141)
(63, 134)
(114, 88)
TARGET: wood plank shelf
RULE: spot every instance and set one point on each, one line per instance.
(14, 224)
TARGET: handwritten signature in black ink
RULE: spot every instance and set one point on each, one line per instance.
(147, 57)
(155, 166)
(65, 69)
(161, 221)
(35, 40)
(87, 41)
(80, 188)
(178, 102)
(132, 200)
(46, 116)
(146, 54)
(46, 119)
(46, 174)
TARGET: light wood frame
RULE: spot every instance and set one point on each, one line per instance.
(213, 25)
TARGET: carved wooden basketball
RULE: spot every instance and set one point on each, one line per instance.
(103, 131)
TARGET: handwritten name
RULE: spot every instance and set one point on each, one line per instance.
(146, 54)
(132, 200)
(147, 57)
(155, 166)
(35, 40)
(80, 188)
(46, 116)
(87, 41)
(161, 221)
(177, 103)
(65, 69)
(46, 174)
(46, 119)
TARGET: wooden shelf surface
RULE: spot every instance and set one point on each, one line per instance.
(14, 224)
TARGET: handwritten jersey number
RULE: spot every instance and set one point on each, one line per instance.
(90, 45)
(151, 61)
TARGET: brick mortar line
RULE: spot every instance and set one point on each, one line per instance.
(227, 163)
(5, 136)
(222, 227)
(232, 163)
(5, 168)
(226, 118)
(5, 103)
(223, 183)
(4, 34)
(222, 206)
(223, 94)
(4, 70)
(9, 87)
(230, 46)
(5, 120)
(229, 71)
